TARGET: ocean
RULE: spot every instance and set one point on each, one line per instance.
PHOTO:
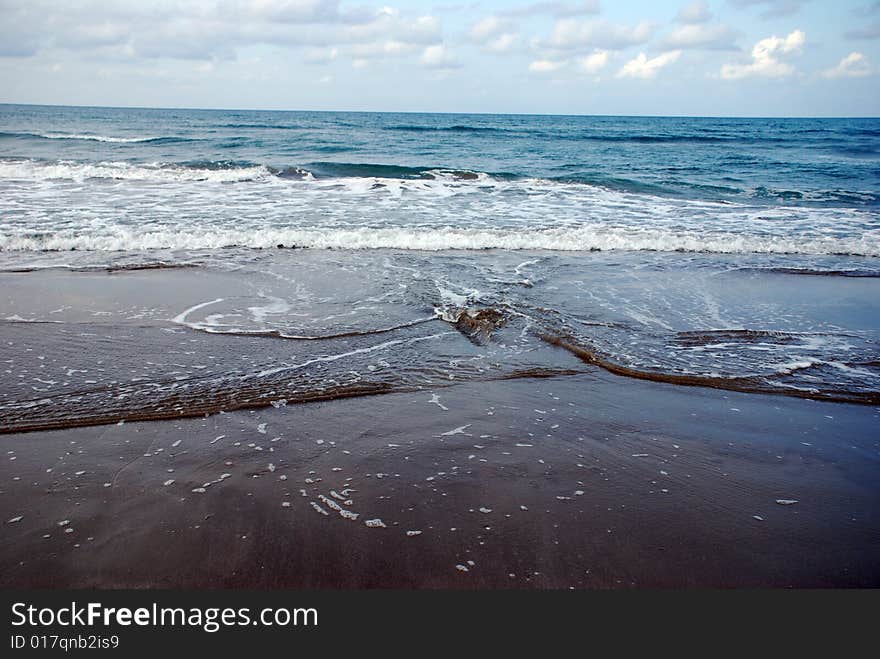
(436, 181)
(316, 350)
(736, 254)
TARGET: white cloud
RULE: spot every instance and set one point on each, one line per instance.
(694, 13)
(545, 66)
(571, 34)
(383, 49)
(854, 65)
(494, 34)
(490, 27)
(716, 37)
(208, 29)
(502, 44)
(592, 64)
(389, 26)
(437, 57)
(286, 11)
(642, 67)
(765, 58)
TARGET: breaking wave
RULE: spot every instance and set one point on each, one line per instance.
(158, 172)
(570, 239)
(99, 138)
(242, 171)
(745, 384)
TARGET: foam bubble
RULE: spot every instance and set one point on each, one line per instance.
(584, 238)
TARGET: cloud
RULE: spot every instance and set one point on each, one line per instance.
(489, 28)
(772, 8)
(437, 57)
(383, 49)
(209, 29)
(284, 11)
(494, 34)
(642, 67)
(559, 9)
(694, 13)
(545, 66)
(854, 65)
(570, 34)
(589, 64)
(503, 44)
(387, 26)
(592, 64)
(693, 36)
(765, 58)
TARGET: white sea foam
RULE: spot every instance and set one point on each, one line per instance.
(181, 317)
(30, 170)
(343, 355)
(584, 238)
(797, 365)
(94, 138)
(162, 206)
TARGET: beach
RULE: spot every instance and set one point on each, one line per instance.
(543, 472)
(245, 349)
(580, 482)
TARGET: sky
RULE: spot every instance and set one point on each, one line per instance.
(665, 57)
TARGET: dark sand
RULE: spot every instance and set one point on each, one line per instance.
(586, 481)
(484, 472)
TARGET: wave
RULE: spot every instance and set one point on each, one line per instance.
(159, 172)
(228, 171)
(814, 272)
(182, 408)
(614, 183)
(817, 196)
(647, 139)
(449, 129)
(89, 408)
(264, 126)
(670, 186)
(377, 173)
(99, 138)
(706, 337)
(745, 384)
(280, 334)
(111, 268)
(403, 172)
(572, 135)
(584, 238)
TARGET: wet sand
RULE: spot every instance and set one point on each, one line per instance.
(491, 456)
(582, 481)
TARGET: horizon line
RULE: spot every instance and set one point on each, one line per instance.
(512, 114)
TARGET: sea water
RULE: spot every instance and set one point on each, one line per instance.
(430, 249)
